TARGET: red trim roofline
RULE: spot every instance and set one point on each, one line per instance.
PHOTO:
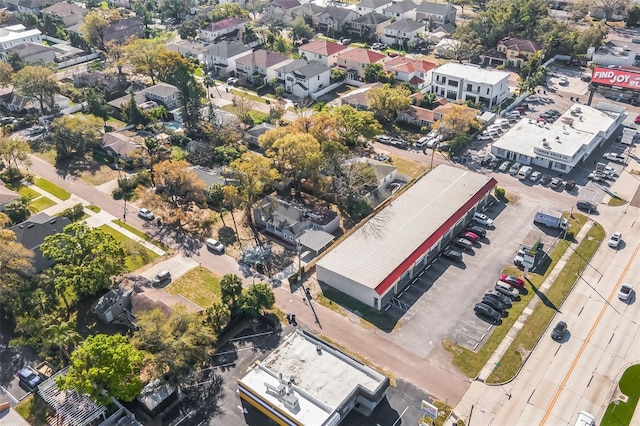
(382, 288)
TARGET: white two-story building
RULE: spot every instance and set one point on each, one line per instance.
(465, 82)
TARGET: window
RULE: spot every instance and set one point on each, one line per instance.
(488, 90)
(453, 83)
(469, 88)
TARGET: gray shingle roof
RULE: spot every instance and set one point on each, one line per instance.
(433, 8)
(225, 49)
(401, 7)
(310, 70)
(298, 63)
(371, 19)
(408, 25)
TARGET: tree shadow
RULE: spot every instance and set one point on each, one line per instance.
(227, 236)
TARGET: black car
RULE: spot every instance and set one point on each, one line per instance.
(494, 163)
(586, 206)
(501, 297)
(478, 230)
(487, 311)
(462, 243)
(558, 331)
(495, 303)
(570, 184)
(453, 255)
(545, 179)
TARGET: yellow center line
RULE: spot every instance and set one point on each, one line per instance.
(586, 341)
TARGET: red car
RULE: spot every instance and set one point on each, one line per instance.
(471, 237)
(515, 282)
(637, 120)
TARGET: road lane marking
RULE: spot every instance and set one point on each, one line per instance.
(586, 341)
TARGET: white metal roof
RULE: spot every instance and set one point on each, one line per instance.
(472, 73)
(379, 246)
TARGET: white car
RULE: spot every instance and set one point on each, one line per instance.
(421, 142)
(625, 291)
(535, 176)
(501, 122)
(145, 214)
(612, 156)
(215, 245)
(485, 137)
(482, 219)
(615, 239)
(564, 81)
(533, 98)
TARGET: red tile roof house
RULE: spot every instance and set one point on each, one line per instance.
(511, 52)
(414, 71)
(355, 60)
(323, 51)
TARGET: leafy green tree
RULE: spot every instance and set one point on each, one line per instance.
(176, 9)
(62, 337)
(231, 291)
(191, 93)
(296, 156)
(386, 102)
(190, 29)
(256, 298)
(225, 154)
(133, 114)
(144, 56)
(18, 210)
(75, 134)
(375, 72)
(218, 316)
(96, 104)
(254, 172)
(249, 34)
(14, 152)
(352, 125)
(93, 28)
(105, 362)
(594, 35)
(16, 267)
(175, 345)
(228, 10)
(300, 30)
(86, 259)
(140, 9)
(6, 74)
(37, 83)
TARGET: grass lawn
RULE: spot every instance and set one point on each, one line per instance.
(99, 176)
(617, 201)
(251, 96)
(94, 209)
(140, 234)
(543, 312)
(408, 168)
(137, 254)
(40, 204)
(337, 300)
(31, 194)
(622, 413)
(52, 189)
(199, 285)
(116, 124)
(257, 116)
(470, 362)
(49, 156)
(34, 410)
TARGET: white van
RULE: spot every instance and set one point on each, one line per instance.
(524, 172)
(585, 419)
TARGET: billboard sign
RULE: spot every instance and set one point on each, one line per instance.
(429, 409)
(616, 78)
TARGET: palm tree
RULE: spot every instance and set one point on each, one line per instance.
(63, 336)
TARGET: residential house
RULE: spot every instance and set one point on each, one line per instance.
(447, 48)
(405, 9)
(221, 57)
(112, 84)
(334, 19)
(372, 6)
(414, 71)
(511, 52)
(288, 221)
(385, 174)
(123, 29)
(436, 14)
(31, 53)
(164, 93)
(259, 66)
(417, 116)
(123, 146)
(442, 110)
(118, 104)
(322, 51)
(369, 25)
(355, 60)
(619, 13)
(187, 48)
(114, 307)
(69, 13)
(252, 135)
(286, 8)
(15, 35)
(303, 79)
(210, 177)
(358, 98)
(224, 29)
(32, 232)
(14, 102)
(6, 196)
(27, 6)
(403, 33)
(466, 82)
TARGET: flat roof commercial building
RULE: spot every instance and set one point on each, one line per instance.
(564, 144)
(382, 256)
(307, 382)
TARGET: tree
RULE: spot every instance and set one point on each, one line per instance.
(243, 107)
(93, 29)
(273, 19)
(460, 119)
(580, 9)
(300, 30)
(386, 101)
(14, 152)
(256, 298)
(6, 74)
(176, 345)
(96, 104)
(594, 35)
(18, 210)
(85, 259)
(133, 114)
(218, 316)
(249, 34)
(610, 8)
(170, 63)
(62, 337)
(104, 362)
(116, 55)
(37, 83)
(374, 72)
(176, 9)
(296, 156)
(144, 56)
(228, 10)
(75, 134)
(352, 125)
(16, 267)
(190, 28)
(253, 172)
(231, 291)
(191, 93)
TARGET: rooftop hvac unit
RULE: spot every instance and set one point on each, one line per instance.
(546, 144)
(290, 401)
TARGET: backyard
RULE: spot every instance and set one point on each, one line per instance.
(199, 285)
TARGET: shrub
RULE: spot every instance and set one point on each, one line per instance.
(500, 193)
(74, 213)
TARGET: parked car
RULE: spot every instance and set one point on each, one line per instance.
(383, 138)
(596, 177)
(504, 166)
(513, 281)
(507, 290)
(558, 331)
(421, 142)
(535, 176)
(462, 243)
(382, 157)
(484, 137)
(495, 303)
(514, 168)
(570, 185)
(518, 259)
(556, 183)
(545, 179)
(564, 81)
(533, 98)
(232, 81)
(29, 377)
(215, 245)
(478, 230)
(487, 312)
(145, 214)
(453, 255)
(501, 297)
(345, 41)
(482, 219)
(494, 163)
(470, 236)
(615, 239)
(612, 156)
(637, 120)
(625, 291)
(161, 278)
(586, 206)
